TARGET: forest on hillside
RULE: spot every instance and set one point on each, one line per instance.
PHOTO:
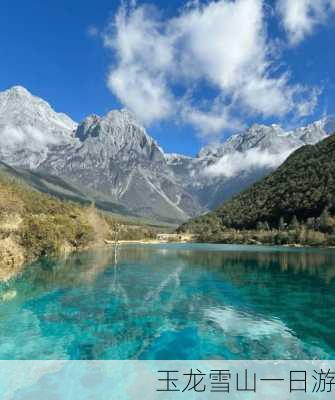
(299, 195)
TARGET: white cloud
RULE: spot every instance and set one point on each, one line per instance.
(301, 17)
(308, 107)
(163, 65)
(231, 165)
(13, 136)
(146, 95)
(144, 56)
(212, 122)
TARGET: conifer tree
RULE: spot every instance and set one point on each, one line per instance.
(294, 224)
(281, 225)
(325, 221)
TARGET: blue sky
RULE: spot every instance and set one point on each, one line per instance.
(193, 73)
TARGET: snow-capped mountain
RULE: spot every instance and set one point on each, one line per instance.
(115, 159)
(272, 138)
(29, 126)
(222, 170)
(115, 156)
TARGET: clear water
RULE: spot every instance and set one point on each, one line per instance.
(173, 302)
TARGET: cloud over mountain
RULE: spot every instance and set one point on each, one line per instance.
(230, 165)
(203, 66)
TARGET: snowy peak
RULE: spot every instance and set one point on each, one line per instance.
(18, 104)
(29, 126)
(260, 136)
(120, 133)
(328, 125)
(123, 118)
(222, 170)
(115, 157)
(273, 139)
(316, 131)
(18, 91)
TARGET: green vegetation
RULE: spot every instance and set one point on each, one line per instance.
(121, 229)
(293, 205)
(41, 224)
(35, 224)
(51, 235)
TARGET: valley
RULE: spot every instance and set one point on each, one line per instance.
(113, 161)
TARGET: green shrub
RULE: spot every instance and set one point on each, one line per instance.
(48, 234)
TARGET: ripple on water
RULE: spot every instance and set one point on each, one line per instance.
(173, 302)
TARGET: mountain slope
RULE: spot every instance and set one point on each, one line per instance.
(60, 188)
(115, 156)
(223, 170)
(33, 224)
(29, 127)
(303, 187)
(112, 157)
(113, 161)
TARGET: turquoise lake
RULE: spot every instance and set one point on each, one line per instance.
(173, 301)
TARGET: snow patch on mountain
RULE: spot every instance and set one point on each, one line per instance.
(114, 157)
(28, 126)
(261, 147)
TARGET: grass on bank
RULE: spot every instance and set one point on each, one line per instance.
(37, 224)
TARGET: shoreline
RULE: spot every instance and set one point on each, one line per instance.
(150, 241)
(153, 241)
(16, 269)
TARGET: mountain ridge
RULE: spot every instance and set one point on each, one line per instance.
(300, 189)
(29, 126)
(115, 156)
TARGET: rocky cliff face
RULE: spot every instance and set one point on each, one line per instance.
(223, 170)
(115, 159)
(114, 155)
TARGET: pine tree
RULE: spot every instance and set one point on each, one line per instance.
(325, 221)
(310, 223)
(294, 224)
(281, 225)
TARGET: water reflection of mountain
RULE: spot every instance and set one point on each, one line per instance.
(174, 302)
